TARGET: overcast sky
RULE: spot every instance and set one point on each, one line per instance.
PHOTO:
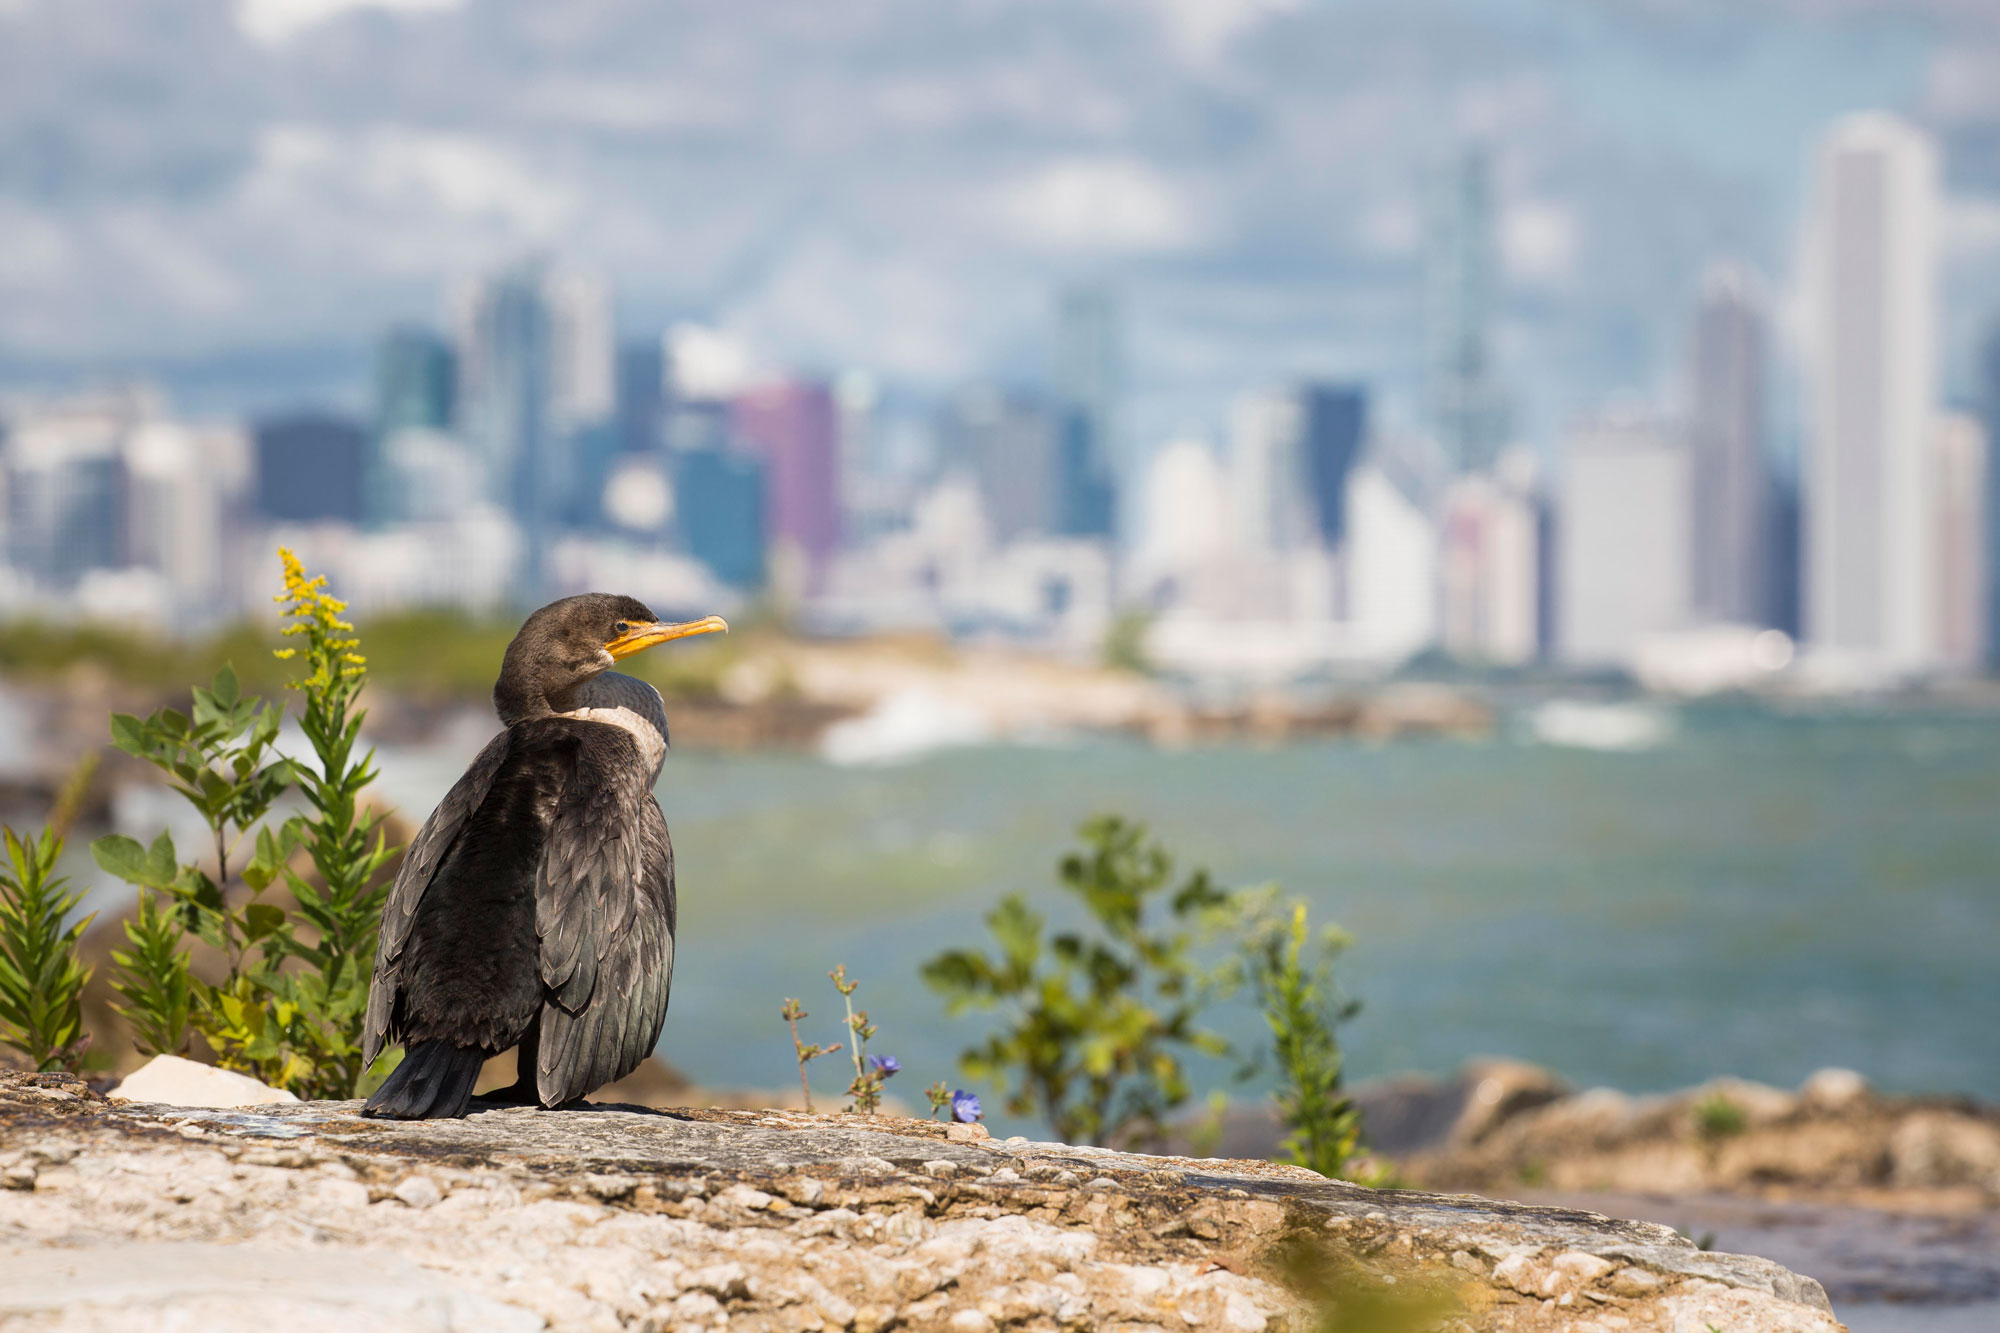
(240, 195)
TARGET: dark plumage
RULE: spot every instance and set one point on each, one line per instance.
(536, 906)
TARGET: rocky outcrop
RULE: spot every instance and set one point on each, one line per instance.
(306, 1216)
(1833, 1139)
(1501, 1125)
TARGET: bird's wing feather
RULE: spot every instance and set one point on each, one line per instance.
(604, 908)
(420, 865)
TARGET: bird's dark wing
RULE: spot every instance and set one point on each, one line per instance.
(604, 909)
(432, 845)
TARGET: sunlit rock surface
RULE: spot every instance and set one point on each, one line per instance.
(177, 1082)
(305, 1216)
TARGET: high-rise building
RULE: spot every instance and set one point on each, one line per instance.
(720, 508)
(1960, 529)
(1625, 568)
(535, 370)
(1390, 562)
(1988, 375)
(415, 381)
(582, 347)
(311, 465)
(415, 390)
(1491, 555)
(1870, 566)
(1333, 425)
(1087, 386)
(642, 403)
(1011, 445)
(1467, 406)
(66, 496)
(1731, 487)
(792, 427)
(506, 373)
(1265, 473)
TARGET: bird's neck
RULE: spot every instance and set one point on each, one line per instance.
(630, 703)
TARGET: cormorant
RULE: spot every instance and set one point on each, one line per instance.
(536, 906)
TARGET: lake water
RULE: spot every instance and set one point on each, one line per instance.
(1758, 894)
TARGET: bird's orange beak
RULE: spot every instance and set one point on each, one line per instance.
(641, 637)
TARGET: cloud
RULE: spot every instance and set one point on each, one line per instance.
(397, 182)
(1096, 204)
(1200, 30)
(274, 22)
(1538, 241)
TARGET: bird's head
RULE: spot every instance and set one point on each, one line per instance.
(567, 643)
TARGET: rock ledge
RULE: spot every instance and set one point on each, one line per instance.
(307, 1216)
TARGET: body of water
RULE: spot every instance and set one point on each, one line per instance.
(1756, 894)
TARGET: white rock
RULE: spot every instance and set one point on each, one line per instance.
(1834, 1089)
(172, 1081)
(419, 1192)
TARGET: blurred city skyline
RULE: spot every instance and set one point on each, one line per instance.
(235, 199)
(1320, 338)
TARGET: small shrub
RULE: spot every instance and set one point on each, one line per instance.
(41, 979)
(290, 1004)
(1097, 1022)
(1716, 1116)
(1289, 971)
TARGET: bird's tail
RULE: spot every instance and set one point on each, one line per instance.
(434, 1082)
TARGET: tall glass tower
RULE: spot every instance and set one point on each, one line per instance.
(1467, 408)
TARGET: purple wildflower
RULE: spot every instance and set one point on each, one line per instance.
(885, 1065)
(965, 1106)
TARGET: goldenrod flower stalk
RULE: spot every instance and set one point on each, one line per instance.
(329, 649)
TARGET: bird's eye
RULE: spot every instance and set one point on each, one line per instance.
(620, 627)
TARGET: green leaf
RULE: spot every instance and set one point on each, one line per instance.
(261, 919)
(119, 855)
(128, 733)
(225, 687)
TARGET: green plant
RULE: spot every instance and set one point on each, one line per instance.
(1125, 641)
(294, 986)
(792, 1011)
(41, 978)
(346, 844)
(1716, 1116)
(219, 757)
(152, 976)
(870, 1071)
(1289, 970)
(1097, 1022)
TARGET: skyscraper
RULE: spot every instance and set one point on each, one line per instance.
(1467, 407)
(535, 369)
(1087, 383)
(415, 389)
(1265, 477)
(1625, 567)
(414, 381)
(1333, 423)
(1013, 447)
(1960, 535)
(641, 394)
(1731, 484)
(1870, 567)
(791, 426)
(719, 507)
(1988, 374)
(310, 465)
